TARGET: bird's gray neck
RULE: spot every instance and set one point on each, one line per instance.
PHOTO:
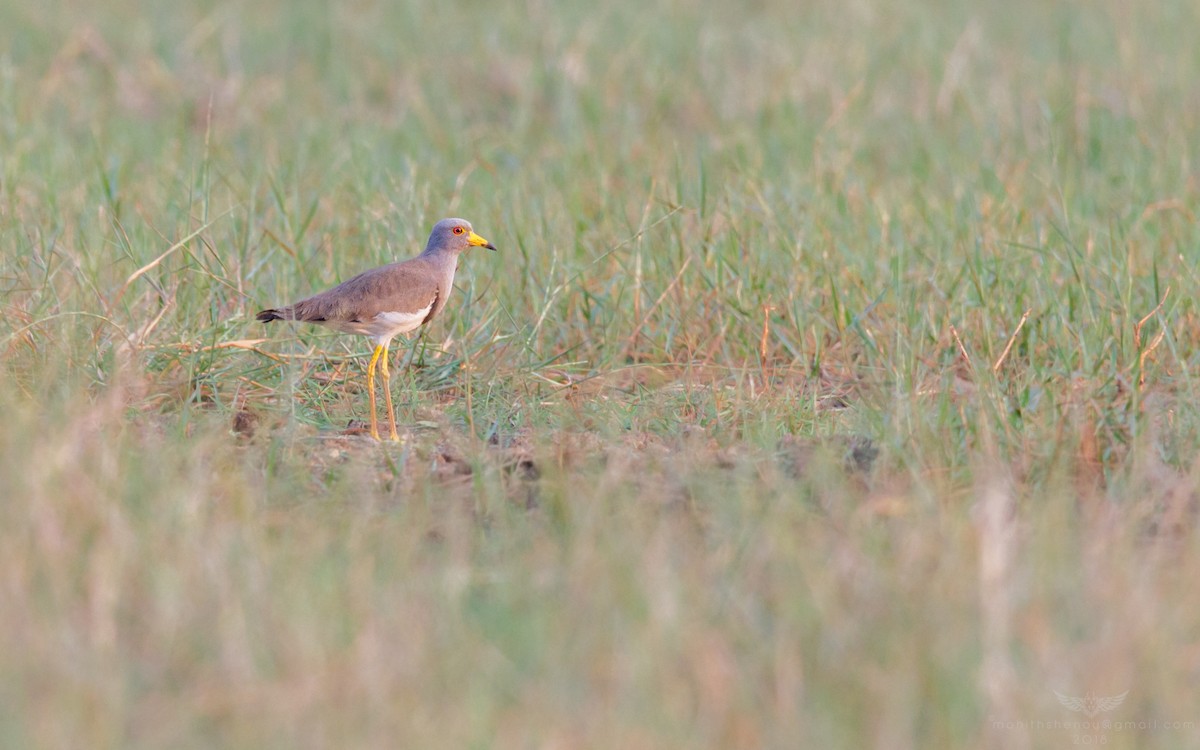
(439, 255)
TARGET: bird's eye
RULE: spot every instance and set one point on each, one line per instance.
(459, 230)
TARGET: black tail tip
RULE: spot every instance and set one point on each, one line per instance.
(266, 316)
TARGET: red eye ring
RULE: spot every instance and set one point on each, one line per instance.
(459, 230)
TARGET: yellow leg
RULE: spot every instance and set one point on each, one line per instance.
(387, 393)
(371, 388)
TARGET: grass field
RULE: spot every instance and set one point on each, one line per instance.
(834, 385)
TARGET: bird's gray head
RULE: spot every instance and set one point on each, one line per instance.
(454, 236)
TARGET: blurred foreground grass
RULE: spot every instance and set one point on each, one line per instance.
(833, 386)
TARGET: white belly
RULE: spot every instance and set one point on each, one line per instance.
(386, 325)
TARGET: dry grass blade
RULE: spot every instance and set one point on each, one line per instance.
(962, 349)
(1011, 339)
(1137, 327)
(637, 329)
(1144, 353)
(999, 546)
(164, 255)
(766, 332)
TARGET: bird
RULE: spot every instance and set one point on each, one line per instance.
(386, 301)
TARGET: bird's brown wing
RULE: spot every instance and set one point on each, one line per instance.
(405, 287)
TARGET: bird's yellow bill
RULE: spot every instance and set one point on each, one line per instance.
(477, 241)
